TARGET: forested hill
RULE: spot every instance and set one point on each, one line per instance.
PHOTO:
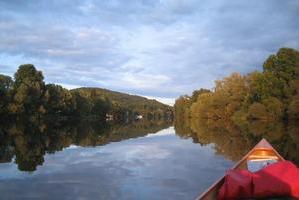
(131, 105)
(26, 95)
(122, 99)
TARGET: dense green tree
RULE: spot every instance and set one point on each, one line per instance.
(265, 85)
(58, 100)
(285, 64)
(28, 90)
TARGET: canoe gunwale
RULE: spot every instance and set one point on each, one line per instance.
(263, 145)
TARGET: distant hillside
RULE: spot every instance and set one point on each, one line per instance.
(28, 96)
(122, 99)
(133, 104)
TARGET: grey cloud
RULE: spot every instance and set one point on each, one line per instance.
(154, 48)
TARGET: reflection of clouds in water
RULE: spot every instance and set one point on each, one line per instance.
(10, 171)
(160, 165)
(72, 147)
(168, 131)
(145, 152)
(126, 154)
(89, 153)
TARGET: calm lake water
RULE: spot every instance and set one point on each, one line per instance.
(138, 160)
(149, 164)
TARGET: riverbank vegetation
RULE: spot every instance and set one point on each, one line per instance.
(28, 96)
(242, 109)
(272, 94)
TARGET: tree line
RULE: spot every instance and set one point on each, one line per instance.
(28, 96)
(243, 109)
(270, 95)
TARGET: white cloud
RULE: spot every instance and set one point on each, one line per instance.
(144, 81)
(154, 48)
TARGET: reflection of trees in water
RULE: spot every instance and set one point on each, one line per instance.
(224, 135)
(6, 150)
(234, 141)
(29, 142)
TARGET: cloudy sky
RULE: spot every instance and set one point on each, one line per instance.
(155, 48)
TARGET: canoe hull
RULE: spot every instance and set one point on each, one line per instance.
(263, 150)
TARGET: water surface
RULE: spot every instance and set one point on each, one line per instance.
(158, 165)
